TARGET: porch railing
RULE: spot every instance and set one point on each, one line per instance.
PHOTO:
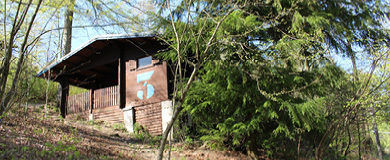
(104, 97)
(79, 103)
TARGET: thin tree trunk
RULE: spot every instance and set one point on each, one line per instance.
(67, 38)
(28, 82)
(375, 128)
(359, 143)
(176, 113)
(346, 151)
(196, 66)
(7, 57)
(299, 145)
(47, 93)
(28, 91)
(11, 93)
(68, 28)
(5, 28)
(7, 61)
(353, 61)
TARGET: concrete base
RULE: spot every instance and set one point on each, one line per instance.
(167, 113)
(128, 115)
(91, 117)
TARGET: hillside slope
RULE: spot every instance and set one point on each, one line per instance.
(29, 135)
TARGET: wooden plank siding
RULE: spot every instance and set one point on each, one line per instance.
(78, 103)
(149, 117)
(147, 109)
(111, 114)
(158, 80)
(106, 97)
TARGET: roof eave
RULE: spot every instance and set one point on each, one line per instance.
(96, 38)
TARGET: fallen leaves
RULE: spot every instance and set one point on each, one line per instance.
(31, 136)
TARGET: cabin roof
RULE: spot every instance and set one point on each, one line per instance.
(69, 64)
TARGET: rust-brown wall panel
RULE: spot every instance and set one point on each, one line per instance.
(142, 80)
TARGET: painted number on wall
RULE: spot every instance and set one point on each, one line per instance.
(149, 88)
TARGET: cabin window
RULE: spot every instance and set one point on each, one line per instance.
(146, 61)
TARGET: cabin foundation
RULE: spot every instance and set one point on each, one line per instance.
(167, 113)
(128, 117)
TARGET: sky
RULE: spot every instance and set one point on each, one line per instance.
(82, 35)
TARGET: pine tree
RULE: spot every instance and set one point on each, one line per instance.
(268, 76)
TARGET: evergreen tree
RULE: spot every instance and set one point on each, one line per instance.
(268, 76)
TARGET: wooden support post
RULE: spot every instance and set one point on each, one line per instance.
(122, 79)
(64, 82)
(91, 99)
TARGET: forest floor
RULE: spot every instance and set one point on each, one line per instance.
(29, 135)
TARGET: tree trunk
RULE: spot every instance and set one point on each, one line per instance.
(346, 151)
(68, 28)
(168, 129)
(67, 37)
(22, 54)
(359, 143)
(7, 57)
(176, 113)
(47, 92)
(375, 128)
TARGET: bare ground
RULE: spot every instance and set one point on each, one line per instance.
(29, 135)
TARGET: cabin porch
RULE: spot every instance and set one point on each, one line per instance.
(100, 104)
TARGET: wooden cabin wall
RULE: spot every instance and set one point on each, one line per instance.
(158, 80)
(111, 114)
(149, 116)
(147, 109)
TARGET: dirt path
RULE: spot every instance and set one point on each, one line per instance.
(32, 136)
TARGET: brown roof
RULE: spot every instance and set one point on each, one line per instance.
(74, 63)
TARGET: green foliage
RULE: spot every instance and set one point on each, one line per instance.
(74, 90)
(267, 82)
(242, 116)
(139, 132)
(384, 130)
(267, 78)
(120, 127)
(38, 88)
(143, 135)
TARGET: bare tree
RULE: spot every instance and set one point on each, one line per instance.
(180, 48)
(18, 22)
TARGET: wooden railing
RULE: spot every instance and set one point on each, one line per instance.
(106, 97)
(79, 103)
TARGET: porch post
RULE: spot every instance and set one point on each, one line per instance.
(122, 79)
(64, 82)
(91, 103)
(91, 93)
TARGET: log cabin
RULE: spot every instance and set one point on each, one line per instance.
(125, 82)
